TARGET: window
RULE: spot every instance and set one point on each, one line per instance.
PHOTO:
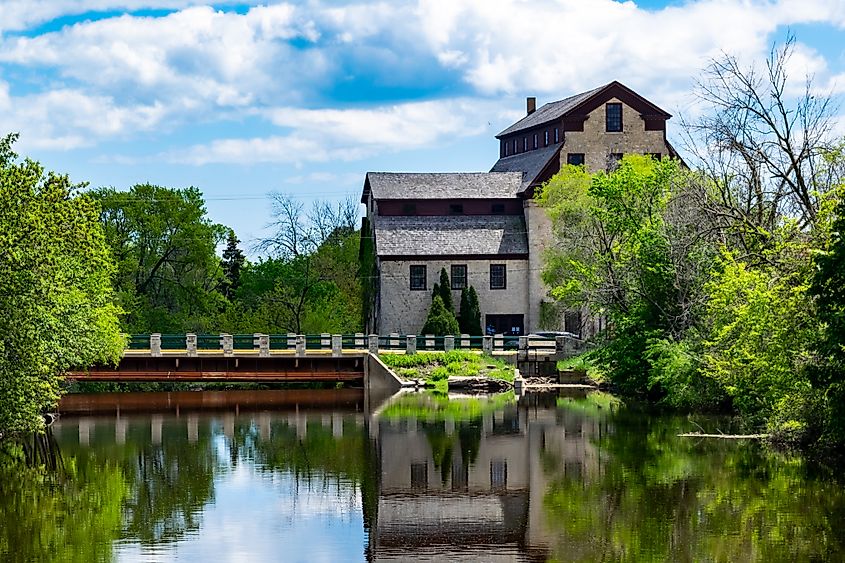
(613, 118)
(498, 209)
(498, 276)
(575, 158)
(459, 276)
(557, 135)
(524, 144)
(456, 209)
(546, 138)
(409, 209)
(535, 140)
(418, 278)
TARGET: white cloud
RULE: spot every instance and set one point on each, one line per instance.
(117, 76)
(564, 46)
(329, 134)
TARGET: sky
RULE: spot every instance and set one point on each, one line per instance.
(242, 99)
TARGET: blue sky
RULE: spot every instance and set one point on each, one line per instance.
(244, 98)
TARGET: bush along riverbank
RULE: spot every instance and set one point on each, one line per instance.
(442, 370)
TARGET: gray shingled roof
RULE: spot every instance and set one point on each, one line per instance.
(452, 185)
(452, 235)
(549, 112)
(531, 163)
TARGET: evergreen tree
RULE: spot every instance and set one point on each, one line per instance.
(440, 320)
(446, 291)
(462, 314)
(473, 314)
(232, 263)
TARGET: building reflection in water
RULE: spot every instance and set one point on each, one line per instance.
(474, 488)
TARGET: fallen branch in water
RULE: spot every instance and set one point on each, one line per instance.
(724, 436)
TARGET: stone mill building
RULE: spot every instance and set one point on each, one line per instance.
(484, 228)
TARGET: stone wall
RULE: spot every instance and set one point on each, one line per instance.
(597, 144)
(404, 311)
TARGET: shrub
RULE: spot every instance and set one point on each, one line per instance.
(440, 320)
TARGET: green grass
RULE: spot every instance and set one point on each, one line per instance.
(435, 407)
(583, 362)
(439, 366)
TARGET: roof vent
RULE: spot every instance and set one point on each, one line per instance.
(531, 104)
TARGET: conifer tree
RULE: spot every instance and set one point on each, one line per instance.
(446, 291)
(440, 320)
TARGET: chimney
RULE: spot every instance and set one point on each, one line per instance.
(531, 104)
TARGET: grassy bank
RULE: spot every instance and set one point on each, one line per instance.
(435, 368)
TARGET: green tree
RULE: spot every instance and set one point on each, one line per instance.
(232, 264)
(56, 301)
(440, 320)
(168, 272)
(828, 289)
(470, 314)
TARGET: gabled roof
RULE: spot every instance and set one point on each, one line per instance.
(584, 103)
(450, 235)
(451, 185)
(530, 163)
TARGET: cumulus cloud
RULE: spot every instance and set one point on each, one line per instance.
(275, 62)
(329, 134)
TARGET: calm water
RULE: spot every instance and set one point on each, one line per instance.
(334, 476)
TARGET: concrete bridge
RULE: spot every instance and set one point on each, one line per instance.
(306, 358)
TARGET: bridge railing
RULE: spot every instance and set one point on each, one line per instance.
(193, 344)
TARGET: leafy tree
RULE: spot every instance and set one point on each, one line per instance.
(470, 314)
(316, 259)
(440, 320)
(168, 272)
(828, 288)
(232, 264)
(56, 301)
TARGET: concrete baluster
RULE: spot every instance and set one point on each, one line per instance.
(429, 341)
(487, 344)
(263, 345)
(411, 344)
(448, 343)
(372, 342)
(191, 344)
(155, 344)
(337, 345)
(300, 344)
(228, 344)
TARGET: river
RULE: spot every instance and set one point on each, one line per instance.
(334, 475)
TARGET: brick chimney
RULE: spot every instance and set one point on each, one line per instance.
(531, 104)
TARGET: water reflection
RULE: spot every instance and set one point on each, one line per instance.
(326, 475)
